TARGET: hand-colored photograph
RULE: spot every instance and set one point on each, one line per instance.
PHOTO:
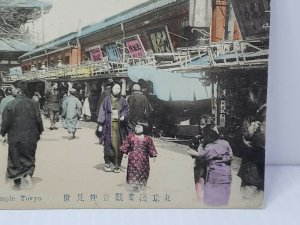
(133, 103)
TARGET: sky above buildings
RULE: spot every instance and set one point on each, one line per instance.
(68, 15)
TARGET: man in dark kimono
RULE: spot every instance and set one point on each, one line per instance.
(93, 100)
(139, 105)
(112, 120)
(107, 91)
(53, 105)
(21, 120)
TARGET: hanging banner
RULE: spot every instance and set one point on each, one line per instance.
(135, 46)
(113, 52)
(160, 40)
(95, 53)
(222, 113)
(253, 17)
(222, 106)
(200, 13)
(200, 18)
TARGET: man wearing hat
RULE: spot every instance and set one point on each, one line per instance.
(59, 63)
(72, 109)
(139, 106)
(52, 98)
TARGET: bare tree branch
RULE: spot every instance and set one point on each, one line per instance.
(14, 15)
(8, 25)
(11, 20)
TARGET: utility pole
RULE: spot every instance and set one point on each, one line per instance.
(78, 51)
(123, 42)
(43, 25)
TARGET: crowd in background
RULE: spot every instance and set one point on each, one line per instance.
(123, 128)
(21, 126)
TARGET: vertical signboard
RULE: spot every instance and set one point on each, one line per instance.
(113, 52)
(160, 40)
(222, 113)
(222, 105)
(135, 46)
(95, 53)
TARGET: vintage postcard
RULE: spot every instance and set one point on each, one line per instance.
(133, 103)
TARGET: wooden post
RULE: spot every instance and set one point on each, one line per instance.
(213, 105)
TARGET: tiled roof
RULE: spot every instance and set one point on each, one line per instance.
(52, 44)
(126, 15)
(117, 19)
(15, 46)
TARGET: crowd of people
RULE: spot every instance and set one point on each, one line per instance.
(213, 156)
(123, 129)
(21, 127)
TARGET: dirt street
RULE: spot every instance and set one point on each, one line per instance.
(69, 174)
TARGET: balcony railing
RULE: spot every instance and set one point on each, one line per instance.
(77, 71)
(214, 55)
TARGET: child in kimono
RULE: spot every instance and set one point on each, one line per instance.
(139, 148)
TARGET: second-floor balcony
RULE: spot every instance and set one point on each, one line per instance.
(189, 59)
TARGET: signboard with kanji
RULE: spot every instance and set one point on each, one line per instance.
(113, 52)
(160, 40)
(222, 113)
(96, 54)
(135, 46)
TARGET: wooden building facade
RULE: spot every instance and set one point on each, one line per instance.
(75, 48)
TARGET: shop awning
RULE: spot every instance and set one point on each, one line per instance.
(171, 85)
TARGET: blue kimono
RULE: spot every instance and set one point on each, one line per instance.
(114, 131)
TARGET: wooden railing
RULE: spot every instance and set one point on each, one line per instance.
(77, 71)
(221, 54)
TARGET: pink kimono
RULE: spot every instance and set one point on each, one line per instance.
(139, 149)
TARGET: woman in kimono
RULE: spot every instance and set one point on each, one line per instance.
(200, 164)
(71, 107)
(218, 155)
(112, 121)
(139, 147)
